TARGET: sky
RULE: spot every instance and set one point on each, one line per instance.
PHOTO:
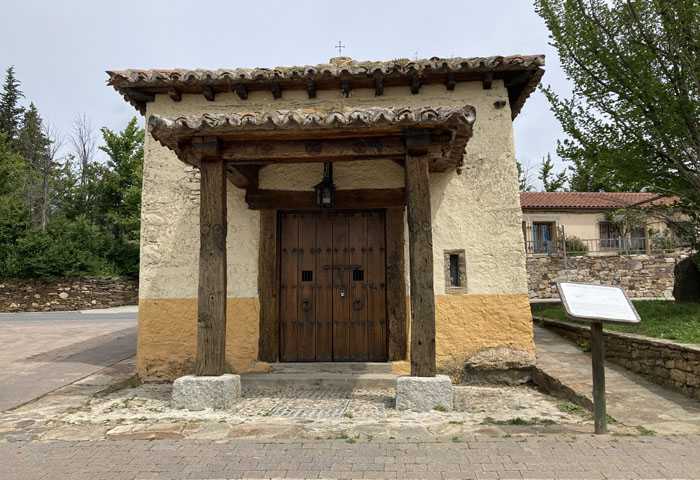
(61, 49)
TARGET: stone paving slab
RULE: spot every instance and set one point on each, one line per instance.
(475, 457)
(631, 399)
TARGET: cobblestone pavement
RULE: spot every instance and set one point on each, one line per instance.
(81, 412)
(535, 457)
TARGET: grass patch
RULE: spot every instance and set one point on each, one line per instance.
(645, 431)
(456, 422)
(456, 439)
(347, 414)
(572, 408)
(440, 408)
(679, 322)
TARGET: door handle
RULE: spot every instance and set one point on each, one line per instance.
(342, 291)
(306, 305)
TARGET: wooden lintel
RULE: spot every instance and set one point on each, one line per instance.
(487, 80)
(211, 303)
(276, 90)
(451, 81)
(244, 176)
(311, 88)
(420, 250)
(209, 93)
(349, 199)
(175, 94)
(314, 151)
(240, 90)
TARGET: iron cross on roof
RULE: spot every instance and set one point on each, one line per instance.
(340, 48)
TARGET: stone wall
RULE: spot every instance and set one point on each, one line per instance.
(661, 361)
(641, 276)
(45, 295)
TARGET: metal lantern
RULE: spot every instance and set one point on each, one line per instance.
(325, 190)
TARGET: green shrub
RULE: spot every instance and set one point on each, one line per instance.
(576, 245)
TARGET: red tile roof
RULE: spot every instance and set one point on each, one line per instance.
(590, 200)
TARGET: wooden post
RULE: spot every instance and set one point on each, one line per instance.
(420, 250)
(598, 355)
(268, 282)
(211, 305)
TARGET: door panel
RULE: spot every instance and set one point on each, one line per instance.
(341, 303)
(357, 234)
(306, 331)
(288, 286)
(324, 292)
(333, 286)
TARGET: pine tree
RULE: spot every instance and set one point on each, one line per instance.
(34, 147)
(10, 109)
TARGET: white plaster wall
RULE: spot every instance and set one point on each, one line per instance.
(478, 211)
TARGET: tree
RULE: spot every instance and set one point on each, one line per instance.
(10, 109)
(633, 121)
(83, 142)
(119, 197)
(550, 181)
(34, 148)
(523, 178)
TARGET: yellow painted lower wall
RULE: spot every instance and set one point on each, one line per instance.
(483, 330)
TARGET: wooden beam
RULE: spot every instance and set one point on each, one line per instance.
(209, 93)
(311, 88)
(350, 199)
(420, 248)
(211, 295)
(315, 151)
(396, 283)
(415, 84)
(243, 176)
(175, 94)
(203, 148)
(487, 81)
(451, 81)
(138, 96)
(378, 84)
(276, 90)
(345, 87)
(268, 343)
(240, 90)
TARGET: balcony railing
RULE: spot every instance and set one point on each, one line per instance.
(595, 246)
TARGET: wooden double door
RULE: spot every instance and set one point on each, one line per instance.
(333, 286)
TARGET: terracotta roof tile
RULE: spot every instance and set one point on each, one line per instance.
(522, 73)
(591, 200)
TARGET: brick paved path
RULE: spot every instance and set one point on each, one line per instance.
(549, 456)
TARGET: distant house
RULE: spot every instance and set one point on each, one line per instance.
(581, 221)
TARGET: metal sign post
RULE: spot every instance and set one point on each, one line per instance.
(597, 304)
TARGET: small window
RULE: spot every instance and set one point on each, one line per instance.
(307, 276)
(358, 275)
(455, 271)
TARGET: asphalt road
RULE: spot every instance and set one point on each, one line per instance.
(40, 352)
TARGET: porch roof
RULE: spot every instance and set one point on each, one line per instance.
(295, 136)
(521, 74)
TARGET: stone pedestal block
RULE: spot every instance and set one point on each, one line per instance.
(423, 394)
(197, 393)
